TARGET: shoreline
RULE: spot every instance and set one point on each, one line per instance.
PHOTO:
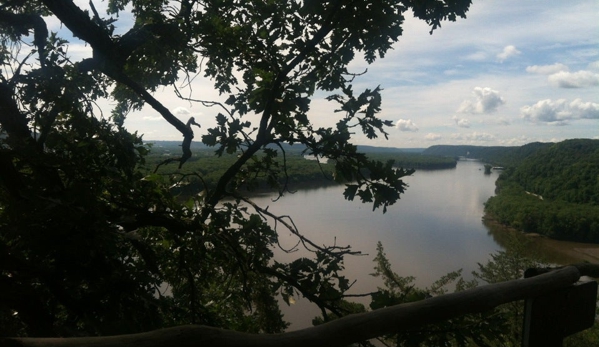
(558, 251)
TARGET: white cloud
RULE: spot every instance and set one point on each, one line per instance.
(560, 76)
(547, 69)
(406, 125)
(585, 110)
(559, 112)
(181, 111)
(545, 111)
(432, 137)
(461, 122)
(487, 101)
(580, 79)
(508, 52)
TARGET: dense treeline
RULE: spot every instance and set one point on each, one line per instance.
(554, 192)
(496, 155)
(416, 160)
(204, 169)
(566, 171)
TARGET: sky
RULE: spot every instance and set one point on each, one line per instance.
(511, 73)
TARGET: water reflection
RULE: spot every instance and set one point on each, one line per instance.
(434, 229)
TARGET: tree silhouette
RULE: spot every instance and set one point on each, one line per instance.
(93, 244)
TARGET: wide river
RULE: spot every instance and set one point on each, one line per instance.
(435, 228)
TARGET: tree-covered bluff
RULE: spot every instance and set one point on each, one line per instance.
(496, 155)
(203, 169)
(554, 192)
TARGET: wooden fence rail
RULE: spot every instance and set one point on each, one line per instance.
(343, 331)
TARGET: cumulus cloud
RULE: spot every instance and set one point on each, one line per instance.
(486, 101)
(461, 122)
(585, 110)
(181, 111)
(547, 69)
(432, 137)
(559, 112)
(560, 76)
(580, 79)
(508, 52)
(406, 125)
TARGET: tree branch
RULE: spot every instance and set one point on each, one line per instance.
(23, 22)
(109, 58)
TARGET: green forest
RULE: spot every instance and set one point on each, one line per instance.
(553, 191)
(203, 169)
(495, 155)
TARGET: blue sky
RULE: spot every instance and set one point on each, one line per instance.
(513, 72)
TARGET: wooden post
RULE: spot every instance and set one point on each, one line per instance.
(549, 318)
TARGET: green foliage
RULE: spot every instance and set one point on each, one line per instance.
(588, 337)
(93, 242)
(500, 327)
(505, 266)
(567, 171)
(553, 192)
(485, 329)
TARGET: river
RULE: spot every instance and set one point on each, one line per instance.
(434, 229)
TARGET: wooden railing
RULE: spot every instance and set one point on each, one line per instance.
(555, 301)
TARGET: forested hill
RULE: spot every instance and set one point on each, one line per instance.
(567, 171)
(204, 169)
(554, 191)
(497, 155)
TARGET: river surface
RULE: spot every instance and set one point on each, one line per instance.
(434, 229)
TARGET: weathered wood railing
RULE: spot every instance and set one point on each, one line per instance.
(363, 326)
(550, 317)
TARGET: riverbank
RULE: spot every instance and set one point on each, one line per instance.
(547, 249)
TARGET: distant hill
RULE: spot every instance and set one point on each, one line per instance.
(374, 149)
(296, 147)
(553, 191)
(475, 152)
(497, 155)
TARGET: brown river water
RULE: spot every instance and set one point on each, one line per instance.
(437, 227)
